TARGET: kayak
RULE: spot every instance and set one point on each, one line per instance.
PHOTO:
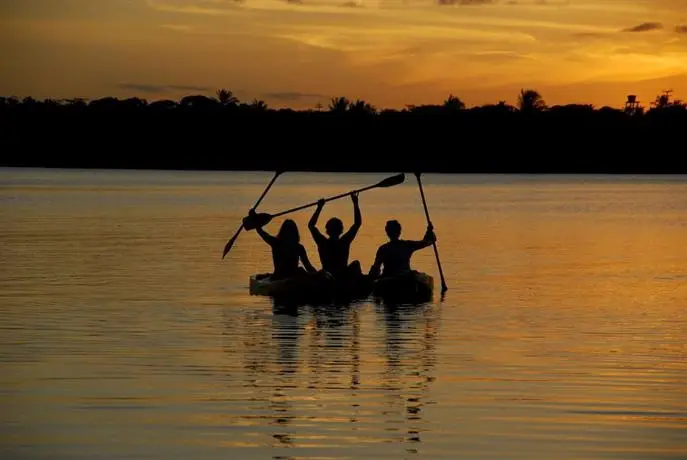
(309, 286)
(411, 286)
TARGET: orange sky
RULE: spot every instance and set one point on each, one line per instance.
(389, 52)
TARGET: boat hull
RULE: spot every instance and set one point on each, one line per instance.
(411, 287)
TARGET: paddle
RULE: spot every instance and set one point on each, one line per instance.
(444, 288)
(255, 220)
(230, 243)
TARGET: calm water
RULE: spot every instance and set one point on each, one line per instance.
(125, 335)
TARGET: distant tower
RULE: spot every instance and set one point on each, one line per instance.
(632, 106)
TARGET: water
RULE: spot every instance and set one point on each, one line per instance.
(125, 335)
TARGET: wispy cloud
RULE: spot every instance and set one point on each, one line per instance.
(498, 56)
(645, 27)
(226, 7)
(294, 96)
(681, 29)
(152, 88)
(200, 7)
(177, 27)
(465, 2)
(590, 35)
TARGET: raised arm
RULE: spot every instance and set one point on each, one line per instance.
(312, 224)
(304, 259)
(269, 239)
(357, 219)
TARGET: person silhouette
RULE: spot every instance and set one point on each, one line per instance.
(394, 256)
(334, 249)
(287, 251)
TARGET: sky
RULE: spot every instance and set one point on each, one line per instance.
(391, 53)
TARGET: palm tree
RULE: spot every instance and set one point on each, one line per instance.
(258, 105)
(339, 104)
(226, 97)
(361, 107)
(530, 100)
(454, 103)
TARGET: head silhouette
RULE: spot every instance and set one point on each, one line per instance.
(393, 229)
(334, 227)
(289, 232)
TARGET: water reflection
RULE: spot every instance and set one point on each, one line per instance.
(327, 376)
(285, 334)
(410, 349)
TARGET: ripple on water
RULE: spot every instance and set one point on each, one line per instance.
(123, 334)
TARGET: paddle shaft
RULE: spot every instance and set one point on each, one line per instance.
(332, 198)
(434, 244)
(269, 186)
(231, 241)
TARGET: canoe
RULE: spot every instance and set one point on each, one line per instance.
(411, 287)
(320, 285)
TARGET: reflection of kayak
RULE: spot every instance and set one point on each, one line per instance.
(321, 285)
(410, 286)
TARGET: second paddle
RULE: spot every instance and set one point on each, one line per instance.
(255, 220)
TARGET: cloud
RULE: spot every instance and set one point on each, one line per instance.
(177, 27)
(497, 56)
(465, 2)
(682, 29)
(201, 7)
(294, 96)
(148, 88)
(645, 27)
(591, 35)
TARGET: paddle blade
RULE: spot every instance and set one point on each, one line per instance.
(255, 220)
(391, 181)
(230, 243)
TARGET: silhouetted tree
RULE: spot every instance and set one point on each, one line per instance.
(339, 104)
(258, 105)
(164, 104)
(361, 107)
(198, 101)
(663, 101)
(226, 98)
(453, 103)
(530, 100)
(77, 102)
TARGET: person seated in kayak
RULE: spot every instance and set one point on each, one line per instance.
(334, 249)
(287, 251)
(395, 255)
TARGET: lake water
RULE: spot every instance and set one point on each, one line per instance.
(563, 334)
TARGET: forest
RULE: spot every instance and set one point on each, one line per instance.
(221, 132)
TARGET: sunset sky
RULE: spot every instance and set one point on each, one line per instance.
(389, 52)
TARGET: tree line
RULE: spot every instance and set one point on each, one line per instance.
(223, 132)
